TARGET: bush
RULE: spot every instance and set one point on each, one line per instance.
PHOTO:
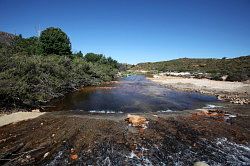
(216, 76)
(29, 46)
(236, 76)
(33, 80)
(238, 69)
(28, 78)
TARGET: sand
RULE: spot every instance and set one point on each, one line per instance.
(206, 84)
(17, 117)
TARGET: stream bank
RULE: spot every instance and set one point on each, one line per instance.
(234, 92)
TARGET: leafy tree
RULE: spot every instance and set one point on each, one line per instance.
(55, 41)
(91, 57)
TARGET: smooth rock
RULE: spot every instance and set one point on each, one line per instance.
(200, 163)
(45, 155)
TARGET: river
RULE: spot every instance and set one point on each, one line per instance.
(131, 94)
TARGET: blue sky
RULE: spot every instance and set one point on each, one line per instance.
(134, 31)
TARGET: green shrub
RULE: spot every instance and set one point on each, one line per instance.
(238, 69)
(30, 46)
(31, 80)
(28, 78)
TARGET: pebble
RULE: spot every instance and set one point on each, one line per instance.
(200, 163)
(28, 156)
(45, 155)
(74, 156)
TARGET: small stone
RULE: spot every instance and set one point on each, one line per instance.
(74, 156)
(41, 124)
(28, 156)
(200, 163)
(53, 135)
(45, 155)
(72, 150)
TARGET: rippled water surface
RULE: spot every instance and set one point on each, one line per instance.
(131, 94)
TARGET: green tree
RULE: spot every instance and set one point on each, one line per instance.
(55, 41)
(92, 57)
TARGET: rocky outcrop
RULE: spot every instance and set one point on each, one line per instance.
(6, 38)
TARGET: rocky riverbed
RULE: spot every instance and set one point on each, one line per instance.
(216, 136)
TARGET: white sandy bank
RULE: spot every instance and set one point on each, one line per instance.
(203, 84)
(17, 117)
(235, 92)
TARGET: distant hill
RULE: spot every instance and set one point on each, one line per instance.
(236, 68)
(6, 38)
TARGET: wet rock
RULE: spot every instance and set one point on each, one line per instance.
(200, 163)
(136, 120)
(74, 157)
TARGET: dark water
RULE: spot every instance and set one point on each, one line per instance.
(131, 94)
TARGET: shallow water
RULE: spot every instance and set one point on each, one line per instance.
(131, 94)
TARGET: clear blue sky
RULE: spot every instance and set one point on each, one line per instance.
(135, 31)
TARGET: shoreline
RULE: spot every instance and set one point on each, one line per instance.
(6, 119)
(234, 92)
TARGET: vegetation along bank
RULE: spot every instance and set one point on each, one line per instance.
(37, 69)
